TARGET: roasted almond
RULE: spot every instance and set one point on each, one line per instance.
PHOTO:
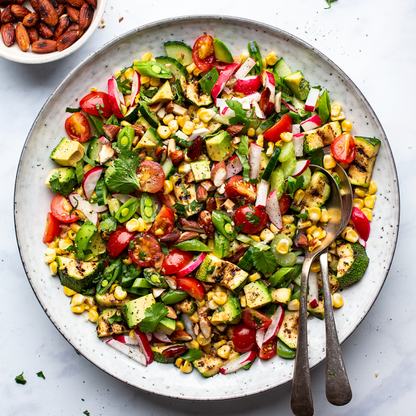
(201, 194)
(73, 13)
(76, 3)
(19, 12)
(205, 222)
(35, 5)
(62, 26)
(44, 46)
(85, 16)
(7, 16)
(31, 19)
(92, 3)
(48, 13)
(45, 31)
(177, 157)
(33, 34)
(60, 10)
(219, 173)
(8, 34)
(67, 39)
(54, 3)
(22, 37)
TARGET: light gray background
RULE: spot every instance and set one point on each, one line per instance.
(373, 41)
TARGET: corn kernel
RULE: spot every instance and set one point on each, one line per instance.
(54, 243)
(119, 293)
(358, 203)
(147, 56)
(75, 227)
(193, 111)
(127, 100)
(154, 82)
(251, 132)
(164, 132)
(127, 261)
(95, 89)
(303, 224)
(243, 301)
(244, 56)
(333, 245)
(50, 255)
(210, 295)
(186, 367)
(255, 276)
(360, 192)
(224, 352)
(342, 192)
(190, 68)
(196, 71)
(132, 225)
(78, 308)
(194, 344)
(179, 326)
(274, 229)
(212, 305)
(167, 187)
(299, 195)
(310, 230)
(69, 292)
(314, 214)
(220, 298)
(335, 109)
(314, 243)
(346, 125)
(206, 115)
(188, 128)
(337, 300)
(53, 267)
(144, 79)
(207, 348)
(77, 299)
(329, 162)
(129, 73)
(266, 235)
(339, 118)
(316, 267)
(182, 120)
(64, 244)
(271, 58)
(202, 341)
(319, 233)
(168, 118)
(368, 213)
(325, 215)
(270, 148)
(369, 201)
(264, 63)
(286, 136)
(260, 140)
(373, 188)
(351, 236)
(219, 344)
(173, 126)
(93, 315)
(282, 246)
(293, 305)
(194, 318)
(179, 361)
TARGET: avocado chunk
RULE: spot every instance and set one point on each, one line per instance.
(76, 274)
(229, 313)
(68, 152)
(108, 300)
(150, 140)
(281, 295)
(219, 147)
(221, 52)
(361, 169)
(288, 332)
(322, 136)
(105, 329)
(164, 94)
(297, 83)
(201, 170)
(166, 326)
(208, 365)
(193, 92)
(257, 295)
(135, 309)
(353, 262)
(62, 180)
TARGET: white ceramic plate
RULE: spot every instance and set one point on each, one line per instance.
(32, 199)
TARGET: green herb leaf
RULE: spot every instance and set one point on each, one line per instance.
(114, 318)
(303, 216)
(99, 108)
(246, 166)
(192, 355)
(243, 146)
(264, 261)
(124, 179)
(86, 412)
(55, 184)
(329, 3)
(88, 292)
(164, 248)
(317, 157)
(240, 114)
(123, 86)
(73, 110)
(153, 315)
(20, 379)
(40, 374)
(142, 255)
(108, 225)
(252, 218)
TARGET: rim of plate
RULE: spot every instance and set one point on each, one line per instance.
(231, 19)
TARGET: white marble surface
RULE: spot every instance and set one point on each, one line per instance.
(373, 42)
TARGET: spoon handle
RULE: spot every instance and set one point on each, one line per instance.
(338, 389)
(301, 401)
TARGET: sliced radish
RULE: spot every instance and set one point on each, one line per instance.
(248, 85)
(268, 81)
(248, 100)
(273, 210)
(260, 337)
(144, 345)
(157, 291)
(160, 336)
(274, 327)
(301, 166)
(135, 88)
(298, 144)
(295, 129)
(258, 112)
(237, 363)
(245, 68)
(311, 123)
(226, 111)
(233, 167)
(192, 265)
(289, 106)
(90, 181)
(313, 289)
(189, 326)
(114, 97)
(125, 339)
(78, 202)
(123, 198)
(362, 242)
(278, 102)
(312, 99)
(149, 336)
(103, 140)
(262, 192)
(223, 78)
(254, 160)
(361, 224)
(134, 354)
(198, 132)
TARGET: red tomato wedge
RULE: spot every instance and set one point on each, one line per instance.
(78, 128)
(203, 53)
(343, 148)
(238, 188)
(151, 176)
(118, 241)
(176, 260)
(191, 286)
(282, 126)
(163, 223)
(253, 219)
(61, 208)
(284, 203)
(244, 338)
(268, 349)
(52, 229)
(144, 249)
(96, 103)
(256, 319)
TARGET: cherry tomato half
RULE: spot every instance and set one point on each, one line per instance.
(244, 338)
(284, 203)
(144, 249)
(203, 53)
(60, 208)
(96, 103)
(52, 229)
(252, 218)
(118, 241)
(343, 148)
(151, 176)
(256, 319)
(282, 126)
(163, 223)
(268, 349)
(191, 286)
(238, 188)
(78, 128)
(176, 260)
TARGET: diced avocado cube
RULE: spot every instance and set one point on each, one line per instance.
(166, 326)
(105, 329)
(281, 295)
(229, 313)
(67, 152)
(319, 311)
(150, 140)
(135, 309)
(257, 295)
(108, 300)
(208, 365)
(76, 274)
(219, 147)
(67, 180)
(222, 53)
(164, 94)
(201, 170)
(297, 83)
(288, 332)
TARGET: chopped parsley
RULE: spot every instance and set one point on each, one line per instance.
(73, 110)
(264, 261)
(114, 318)
(243, 146)
(20, 379)
(99, 108)
(329, 3)
(142, 255)
(40, 375)
(86, 412)
(240, 114)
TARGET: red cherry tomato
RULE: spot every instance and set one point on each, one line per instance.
(52, 229)
(343, 148)
(164, 222)
(191, 286)
(284, 203)
(144, 249)
(244, 338)
(151, 176)
(238, 188)
(96, 103)
(118, 241)
(203, 53)
(252, 218)
(176, 260)
(78, 128)
(282, 126)
(60, 208)
(268, 349)
(167, 199)
(256, 319)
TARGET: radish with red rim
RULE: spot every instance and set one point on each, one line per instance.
(234, 166)
(312, 99)
(313, 290)
(254, 160)
(262, 192)
(135, 88)
(134, 354)
(90, 181)
(298, 144)
(245, 68)
(311, 123)
(194, 264)
(114, 97)
(144, 345)
(274, 327)
(223, 78)
(237, 363)
(273, 210)
(248, 85)
(301, 166)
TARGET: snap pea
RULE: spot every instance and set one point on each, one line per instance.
(129, 274)
(125, 138)
(254, 51)
(152, 69)
(209, 80)
(148, 207)
(324, 107)
(127, 210)
(193, 245)
(154, 278)
(279, 276)
(109, 277)
(173, 296)
(221, 246)
(142, 283)
(284, 351)
(223, 225)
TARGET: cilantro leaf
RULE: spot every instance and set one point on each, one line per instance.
(108, 225)
(264, 261)
(153, 315)
(192, 355)
(40, 375)
(252, 218)
(124, 179)
(317, 157)
(246, 166)
(88, 292)
(240, 114)
(114, 318)
(54, 182)
(164, 248)
(73, 110)
(20, 379)
(86, 412)
(243, 146)
(329, 3)
(123, 86)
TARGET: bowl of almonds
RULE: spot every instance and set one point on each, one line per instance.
(40, 31)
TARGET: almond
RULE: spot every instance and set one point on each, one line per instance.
(201, 194)
(180, 336)
(177, 157)
(31, 19)
(187, 235)
(54, 3)
(7, 16)
(48, 13)
(233, 130)
(33, 34)
(194, 149)
(67, 39)
(205, 221)
(208, 185)
(219, 173)
(60, 10)
(76, 3)
(62, 26)
(211, 204)
(35, 5)
(8, 34)
(85, 16)
(73, 13)
(44, 46)
(22, 37)
(92, 3)
(19, 12)
(170, 238)
(45, 31)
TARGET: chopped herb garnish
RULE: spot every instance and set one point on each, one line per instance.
(114, 318)
(40, 374)
(192, 355)
(264, 261)
(153, 315)
(252, 218)
(20, 379)
(73, 110)
(142, 255)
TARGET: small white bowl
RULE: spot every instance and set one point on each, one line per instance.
(14, 53)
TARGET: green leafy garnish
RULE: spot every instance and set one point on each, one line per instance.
(73, 110)
(99, 108)
(240, 114)
(20, 379)
(142, 255)
(114, 318)
(317, 157)
(88, 292)
(264, 261)
(293, 184)
(303, 216)
(252, 218)
(108, 225)
(164, 248)
(246, 166)
(40, 374)
(192, 355)
(124, 179)
(153, 315)
(181, 209)
(329, 3)
(243, 146)
(86, 412)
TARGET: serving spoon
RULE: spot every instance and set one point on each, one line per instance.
(301, 401)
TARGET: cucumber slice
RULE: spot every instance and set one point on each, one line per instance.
(306, 178)
(246, 262)
(176, 67)
(180, 51)
(272, 163)
(289, 166)
(132, 115)
(149, 116)
(267, 124)
(288, 150)
(281, 68)
(277, 180)
(79, 171)
(94, 149)
(168, 168)
(102, 192)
